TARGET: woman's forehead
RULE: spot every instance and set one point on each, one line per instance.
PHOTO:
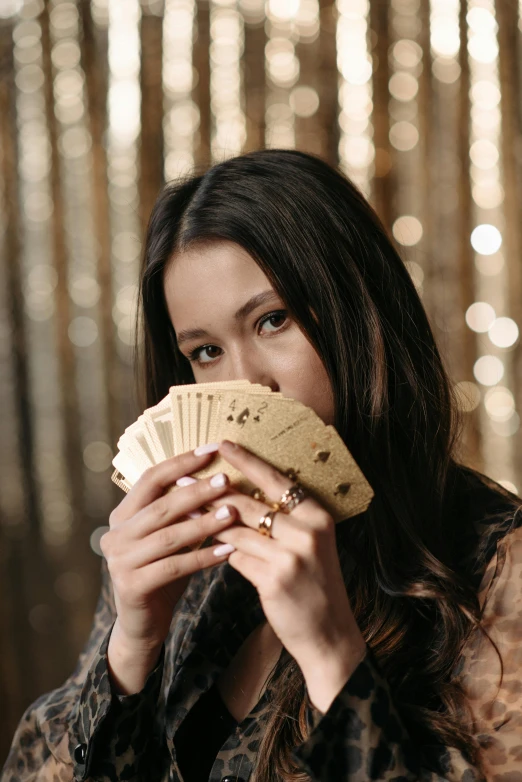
(209, 279)
(211, 258)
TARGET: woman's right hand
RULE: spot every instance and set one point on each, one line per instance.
(148, 554)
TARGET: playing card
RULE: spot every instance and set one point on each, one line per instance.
(135, 442)
(158, 424)
(295, 441)
(282, 431)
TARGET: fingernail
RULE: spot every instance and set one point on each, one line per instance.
(228, 445)
(226, 548)
(223, 512)
(185, 481)
(201, 450)
(218, 480)
(195, 514)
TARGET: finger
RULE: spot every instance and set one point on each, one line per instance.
(153, 482)
(188, 480)
(250, 542)
(251, 568)
(267, 478)
(169, 569)
(250, 512)
(173, 506)
(169, 540)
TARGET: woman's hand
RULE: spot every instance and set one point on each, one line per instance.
(298, 577)
(150, 562)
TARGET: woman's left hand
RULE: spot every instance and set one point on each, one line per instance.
(298, 576)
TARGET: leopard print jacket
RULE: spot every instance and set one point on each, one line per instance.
(82, 731)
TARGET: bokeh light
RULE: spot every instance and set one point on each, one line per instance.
(96, 535)
(10, 8)
(407, 230)
(488, 195)
(480, 316)
(403, 86)
(467, 395)
(490, 265)
(304, 101)
(97, 456)
(83, 331)
(485, 94)
(484, 154)
(42, 619)
(179, 78)
(506, 428)
(226, 48)
(355, 66)
(503, 332)
(85, 291)
(486, 239)
(444, 33)
(282, 10)
(499, 403)
(446, 70)
(489, 370)
(283, 65)
(404, 136)
(407, 53)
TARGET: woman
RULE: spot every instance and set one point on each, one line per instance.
(384, 647)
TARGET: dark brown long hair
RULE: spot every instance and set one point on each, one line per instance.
(328, 256)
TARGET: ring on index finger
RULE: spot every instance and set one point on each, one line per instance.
(291, 498)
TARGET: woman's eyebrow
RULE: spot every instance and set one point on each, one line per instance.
(184, 336)
(254, 301)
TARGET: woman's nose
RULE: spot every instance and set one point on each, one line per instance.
(254, 372)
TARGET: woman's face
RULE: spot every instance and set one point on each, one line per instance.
(232, 325)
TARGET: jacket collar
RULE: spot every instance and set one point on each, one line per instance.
(219, 611)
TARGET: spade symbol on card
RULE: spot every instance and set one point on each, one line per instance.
(242, 417)
(342, 489)
(322, 456)
(259, 411)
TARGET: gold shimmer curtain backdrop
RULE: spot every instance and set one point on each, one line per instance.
(101, 101)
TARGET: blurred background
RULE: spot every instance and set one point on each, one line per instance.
(101, 102)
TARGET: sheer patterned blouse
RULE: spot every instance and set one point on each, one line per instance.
(83, 731)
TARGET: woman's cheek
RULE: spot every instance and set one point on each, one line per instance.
(304, 377)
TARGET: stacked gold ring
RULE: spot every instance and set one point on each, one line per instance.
(289, 500)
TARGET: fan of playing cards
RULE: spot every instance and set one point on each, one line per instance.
(285, 433)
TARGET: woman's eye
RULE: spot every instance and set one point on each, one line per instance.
(274, 321)
(205, 354)
(269, 324)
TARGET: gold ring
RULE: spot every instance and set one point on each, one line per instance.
(265, 523)
(291, 498)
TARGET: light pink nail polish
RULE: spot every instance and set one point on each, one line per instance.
(223, 512)
(226, 548)
(194, 514)
(201, 450)
(218, 480)
(185, 481)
